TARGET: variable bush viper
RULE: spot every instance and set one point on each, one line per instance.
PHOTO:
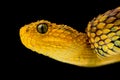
(99, 46)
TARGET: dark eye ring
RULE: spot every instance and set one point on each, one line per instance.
(42, 28)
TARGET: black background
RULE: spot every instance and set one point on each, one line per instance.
(74, 14)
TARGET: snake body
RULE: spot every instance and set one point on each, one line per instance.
(99, 46)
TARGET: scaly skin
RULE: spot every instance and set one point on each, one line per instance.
(65, 44)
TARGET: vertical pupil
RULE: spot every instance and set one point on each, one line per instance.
(42, 28)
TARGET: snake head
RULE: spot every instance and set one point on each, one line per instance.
(51, 38)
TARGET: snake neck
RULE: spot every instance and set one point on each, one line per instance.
(87, 57)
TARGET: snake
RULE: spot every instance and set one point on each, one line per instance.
(98, 46)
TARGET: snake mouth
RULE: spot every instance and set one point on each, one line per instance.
(22, 34)
(25, 36)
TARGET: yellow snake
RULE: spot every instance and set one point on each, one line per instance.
(99, 46)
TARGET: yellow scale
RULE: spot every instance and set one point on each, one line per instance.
(105, 34)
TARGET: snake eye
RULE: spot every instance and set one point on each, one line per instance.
(42, 28)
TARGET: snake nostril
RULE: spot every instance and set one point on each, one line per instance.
(27, 30)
